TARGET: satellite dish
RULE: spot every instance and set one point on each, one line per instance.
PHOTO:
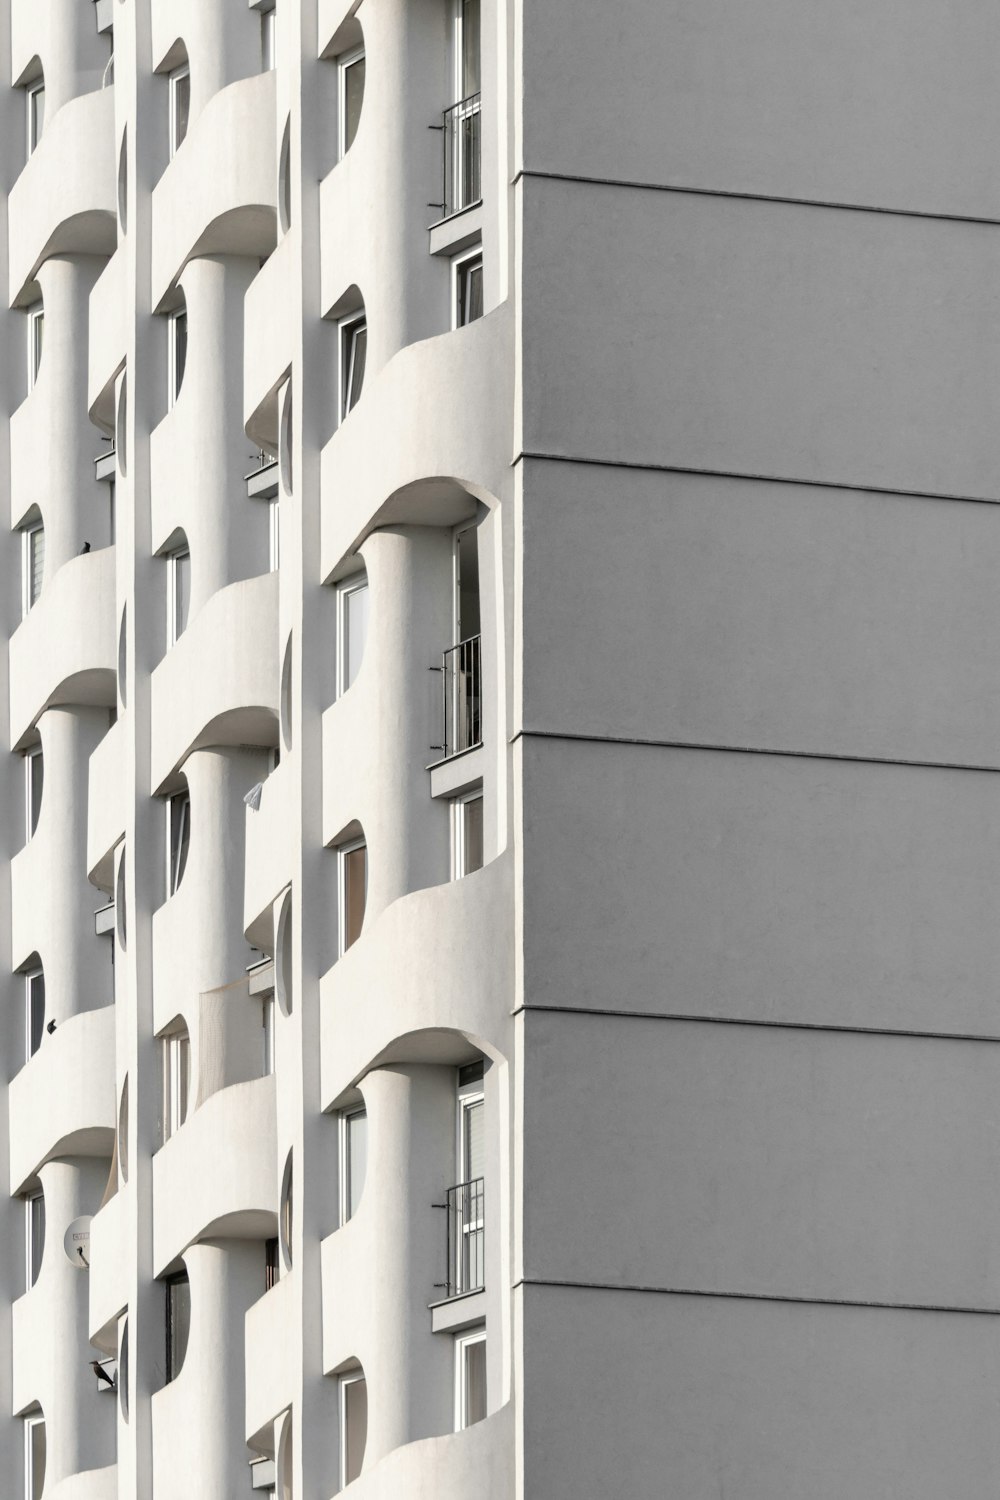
(76, 1243)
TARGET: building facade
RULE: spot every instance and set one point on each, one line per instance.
(499, 820)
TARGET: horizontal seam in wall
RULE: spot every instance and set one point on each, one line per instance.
(639, 743)
(637, 185)
(750, 478)
(685, 1291)
(777, 1024)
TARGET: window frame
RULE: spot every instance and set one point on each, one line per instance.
(177, 847)
(174, 77)
(343, 850)
(178, 555)
(33, 1420)
(269, 39)
(458, 53)
(34, 131)
(463, 1342)
(345, 62)
(353, 585)
(461, 265)
(31, 1271)
(349, 1378)
(36, 337)
(348, 330)
(30, 975)
(34, 763)
(176, 1080)
(28, 597)
(345, 1117)
(458, 832)
(175, 381)
(173, 1366)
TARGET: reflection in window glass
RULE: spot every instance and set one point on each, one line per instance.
(178, 1320)
(353, 1426)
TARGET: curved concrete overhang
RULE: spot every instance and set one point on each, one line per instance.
(108, 339)
(217, 1177)
(219, 194)
(269, 856)
(62, 1102)
(106, 808)
(219, 684)
(64, 651)
(386, 975)
(271, 1360)
(109, 1268)
(366, 482)
(91, 1484)
(64, 200)
(269, 333)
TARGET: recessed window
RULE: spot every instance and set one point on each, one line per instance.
(34, 1235)
(273, 534)
(353, 1425)
(179, 82)
(267, 1035)
(178, 838)
(179, 593)
(35, 94)
(271, 1272)
(34, 1011)
(34, 1457)
(351, 73)
(467, 834)
(462, 136)
(32, 564)
(353, 356)
(176, 1056)
(470, 1378)
(178, 1322)
(353, 859)
(268, 41)
(36, 338)
(353, 1160)
(34, 779)
(177, 338)
(467, 287)
(353, 600)
(467, 1198)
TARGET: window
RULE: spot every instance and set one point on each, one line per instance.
(180, 106)
(286, 1211)
(34, 777)
(270, 1264)
(351, 74)
(470, 1238)
(463, 177)
(179, 599)
(176, 1047)
(34, 1231)
(467, 834)
(273, 534)
(32, 564)
(268, 41)
(353, 1425)
(467, 48)
(353, 353)
(36, 112)
(178, 838)
(178, 1322)
(353, 891)
(470, 1378)
(467, 284)
(267, 1035)
(36, 336)
(352, 629)
(34, 1011)
(34, 1457)
(111, 511)
(353, 1160)
(176, 353)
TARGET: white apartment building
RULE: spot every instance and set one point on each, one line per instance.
(499, 749)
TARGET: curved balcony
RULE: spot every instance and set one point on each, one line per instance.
(219, 194)
(219, 684)
(92, 1484)
(108, 337)
(443, 399)
(64, 200)
(106, 807)
(389, 973)
(272, 1356)
(476, 1461)
(62, 1102)
(270, 837)
(64, 652)
(109, 1267)
(217, 1176)
(271, 318)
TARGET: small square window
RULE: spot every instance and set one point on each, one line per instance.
(353, 1425)
(351, 75)
(353, 356)
(34, 777)
(180, 106)
(470, 1379)
(467, 834)
(467, 281)
(353, 1160)
(352, 630)
(353, 891)
(36, 113)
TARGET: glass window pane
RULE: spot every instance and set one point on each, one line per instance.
(474, 1363)
(355, 892)
(36, 1235)
(355, 1427)
(357, 351)
(179, 325)
(36, 551)
(470, 48)
(178, 1324)
(182, 591)
(354, 93)
(473, 1139)
(183, 1076)
(472, 836)
(36, 1012)
(182, 107)
(36, 1458)
(356, 604)
(357, 1159)
(36, 779)
(180, 835)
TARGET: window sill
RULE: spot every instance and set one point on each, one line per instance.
(458, 1313)
(459, 231)
(458, 773)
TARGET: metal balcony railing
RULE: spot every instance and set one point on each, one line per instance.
(461, 677)
(462, 156)
(466, 1240)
